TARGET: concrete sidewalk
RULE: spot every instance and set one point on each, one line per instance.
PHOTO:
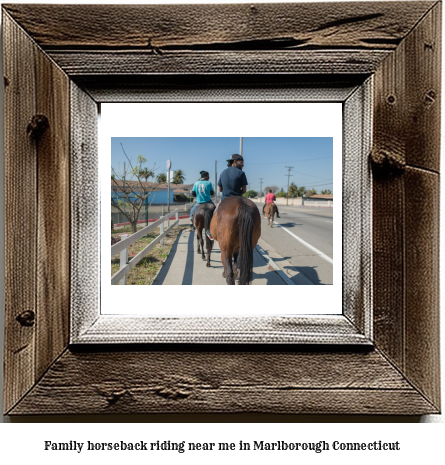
(185, 266)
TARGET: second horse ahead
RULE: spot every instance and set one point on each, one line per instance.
(236, 226)
(270, 211)
(201, 219)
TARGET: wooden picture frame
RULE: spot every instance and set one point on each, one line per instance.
(77, 56)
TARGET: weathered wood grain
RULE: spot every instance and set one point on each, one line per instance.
(108, 329)
(357, 236)
(406, 133)
(153, 27)
(218, 87)
(128, 63)
(85, 211)
(222, 382)
(422, 324)
(398, 42)
(53, 229)
(20, 213)
(388, 201)
(423, 92)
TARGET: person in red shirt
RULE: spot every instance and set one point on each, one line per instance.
(270, 197)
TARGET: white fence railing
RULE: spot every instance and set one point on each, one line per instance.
(122, 247)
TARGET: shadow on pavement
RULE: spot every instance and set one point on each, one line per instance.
(286, 225)
(308, 271)
(188, 271)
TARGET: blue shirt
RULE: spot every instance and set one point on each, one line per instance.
(202, 189)
(232, 180)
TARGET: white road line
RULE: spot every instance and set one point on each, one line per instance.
(309, 246)
(282, 274)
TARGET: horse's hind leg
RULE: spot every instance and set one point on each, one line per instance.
(226, 260)
(202, 246)
(209, 249)
(198, 239)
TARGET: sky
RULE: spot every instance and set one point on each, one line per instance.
(266, 159)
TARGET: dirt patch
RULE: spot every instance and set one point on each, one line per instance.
(147, 269)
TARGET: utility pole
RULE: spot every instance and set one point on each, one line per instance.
(261, 187)
(241, 146)
(288, 176)
(169, 165)
(125, 174)
(216, 180)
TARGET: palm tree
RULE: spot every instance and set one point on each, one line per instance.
(326, 192)
(146, 173)
(178, 177)
(161, 178)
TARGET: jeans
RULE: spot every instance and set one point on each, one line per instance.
(194, 206)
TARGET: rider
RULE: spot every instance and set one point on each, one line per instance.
(202, 190)
(270, 197)
(232, 180)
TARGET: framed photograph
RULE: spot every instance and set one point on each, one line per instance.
(371, 347)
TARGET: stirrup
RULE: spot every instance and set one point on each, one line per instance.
(209, 235)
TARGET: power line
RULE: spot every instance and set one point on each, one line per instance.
(322, 184)
(311, 176)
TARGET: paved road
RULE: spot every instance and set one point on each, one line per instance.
(281, 258)
(185, 266)
(313, 226)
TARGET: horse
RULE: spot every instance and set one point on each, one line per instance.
(270, 211)
(201, 219)
(236, 226)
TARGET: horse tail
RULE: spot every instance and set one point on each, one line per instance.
(246, 223)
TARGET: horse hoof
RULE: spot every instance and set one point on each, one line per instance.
(208, 265)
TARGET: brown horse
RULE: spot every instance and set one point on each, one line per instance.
(236, 226)
(270, 211)
(201, 219)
